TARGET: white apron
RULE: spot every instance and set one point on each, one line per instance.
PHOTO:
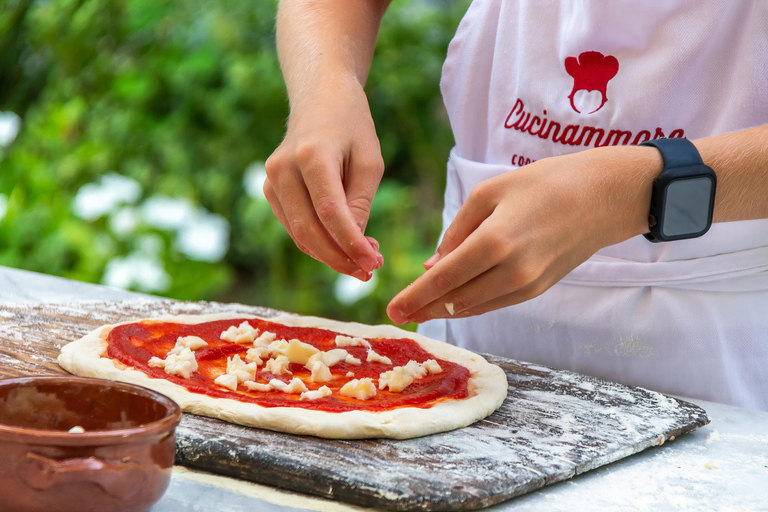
(525, 80)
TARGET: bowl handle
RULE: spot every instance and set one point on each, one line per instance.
(120, 479)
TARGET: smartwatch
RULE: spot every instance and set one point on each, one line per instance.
(683, 196)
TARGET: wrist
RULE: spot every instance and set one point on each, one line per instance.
(629, 173)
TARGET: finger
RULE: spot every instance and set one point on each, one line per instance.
(478, 206)
(469, 260)
(297, 215)
(375, 245)
(365, 168)
(491, 284)
(321, 173)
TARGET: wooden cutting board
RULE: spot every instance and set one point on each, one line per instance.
(552, 426)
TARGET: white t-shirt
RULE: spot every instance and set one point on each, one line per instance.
(526, 80)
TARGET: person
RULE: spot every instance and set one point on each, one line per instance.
(542, 257)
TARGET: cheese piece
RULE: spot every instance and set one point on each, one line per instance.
(257, 355)
(349, 375)
(362, 389)
(77, 429)
(243, 333)
(397, 379)
(415, 369)
(190, 342)
(227, 380)
(431, 366)
(449, 308)
(278, 347)
(347, 341)
(373, 357)
(320, 371)
(293, 387)
(330, 357)
(156, 362)
(264, 339)
(278, 366)
(295, 350)
(240, 369)
(182, 363)
(352, 360)
(316, 394)
(400, 377)
(256, 386)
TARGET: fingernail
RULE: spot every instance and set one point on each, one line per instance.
(361, 275)
(379, 261)
(432, 260)
(397, 316)
(367, 263)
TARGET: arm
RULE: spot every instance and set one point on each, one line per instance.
(322, 178)
(521, 232)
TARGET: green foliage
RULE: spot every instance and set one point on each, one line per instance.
(181, 97)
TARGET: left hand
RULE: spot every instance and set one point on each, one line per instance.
(521, 232)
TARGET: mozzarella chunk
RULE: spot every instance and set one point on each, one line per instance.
(295, 386)
(362, 389)
(449, 308)
(182, 363)
(77, 429)
(352, 360)
(318, 393)
(400, 377)
(257, 355)
(431, 366)
(240, 369)
(373, 357)
(329, 358)
(255, 386)
(227, 380)
(415, 369)
(397, 379)
(190, 342)
(295, 350)
(264, 339)
(243, 333)
(156, 362)
(349, 375)
(320, 371)
(278, 366)
(347, 341)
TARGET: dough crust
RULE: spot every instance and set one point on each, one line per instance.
(487, 387)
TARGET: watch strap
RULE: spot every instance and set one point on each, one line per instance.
(676, 152)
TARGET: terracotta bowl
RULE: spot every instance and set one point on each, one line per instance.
(120, 463)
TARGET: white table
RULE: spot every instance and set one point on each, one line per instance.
(723, 466)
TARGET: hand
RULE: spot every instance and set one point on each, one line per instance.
(521, 232)
(322, 178)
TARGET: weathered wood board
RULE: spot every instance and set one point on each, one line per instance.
(552, 426)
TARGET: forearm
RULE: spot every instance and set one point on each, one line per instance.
(322, 43)
(740, 160)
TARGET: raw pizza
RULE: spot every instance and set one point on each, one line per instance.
(301, 375)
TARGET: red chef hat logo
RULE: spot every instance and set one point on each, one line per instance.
(591, 72)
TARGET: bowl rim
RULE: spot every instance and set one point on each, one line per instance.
(93, 437)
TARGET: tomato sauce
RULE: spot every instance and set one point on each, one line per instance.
(134, 344)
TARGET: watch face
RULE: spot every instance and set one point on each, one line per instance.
(686, 206)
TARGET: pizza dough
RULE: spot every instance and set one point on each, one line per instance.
(487, 387)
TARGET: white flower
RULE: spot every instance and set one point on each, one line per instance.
(207, 239)
(3, 206)
(10, 124)
(94, 200)
(169, 213)
(349, 290)
(138, 271)
(253, 180)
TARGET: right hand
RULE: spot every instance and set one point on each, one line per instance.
(322, 178)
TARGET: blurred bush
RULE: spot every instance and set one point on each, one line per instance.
(144, 125)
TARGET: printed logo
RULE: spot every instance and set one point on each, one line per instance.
(591, 72)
